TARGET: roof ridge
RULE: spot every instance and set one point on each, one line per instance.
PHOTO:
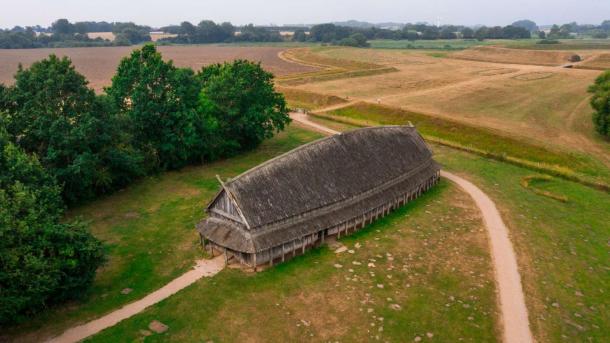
(304, 146)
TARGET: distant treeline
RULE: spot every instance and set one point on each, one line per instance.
(65, 34)
(209, 32)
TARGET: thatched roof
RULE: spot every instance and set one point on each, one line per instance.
(350, 172)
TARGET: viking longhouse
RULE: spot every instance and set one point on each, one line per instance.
(330, 187)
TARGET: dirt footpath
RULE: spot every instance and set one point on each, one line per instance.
(513, 312)
(204, 268)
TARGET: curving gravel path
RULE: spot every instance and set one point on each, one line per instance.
(513, 312)
(204, 268)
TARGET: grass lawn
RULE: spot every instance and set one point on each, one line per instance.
(562, 247)
(149, 231)
(425, 264)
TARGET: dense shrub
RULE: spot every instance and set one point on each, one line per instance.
(42, 261)
(601, 104)
(548, 41)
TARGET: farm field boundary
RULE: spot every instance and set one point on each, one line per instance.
(332, 69)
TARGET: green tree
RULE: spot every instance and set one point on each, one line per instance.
(601, 104)
(160, 103)
(245, 108)
(42, 261)
(299, 36)
(526, 24)
(467, 33)
(62, 27)
(53, 114)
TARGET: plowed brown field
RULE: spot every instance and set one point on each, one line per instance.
(99, 64)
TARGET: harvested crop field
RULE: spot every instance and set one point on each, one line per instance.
(99, 64)
(515, 56)
(599, 61)
(541, 104)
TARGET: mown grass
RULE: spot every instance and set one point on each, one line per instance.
(562, 246)
(479, 140)
(149, 231)
(430, 258)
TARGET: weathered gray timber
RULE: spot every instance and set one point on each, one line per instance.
(333, 186)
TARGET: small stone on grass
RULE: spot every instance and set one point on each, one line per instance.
(157, 326)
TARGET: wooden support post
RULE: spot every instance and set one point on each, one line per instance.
(294, 248)
(271, 257)
(303, 245)
(283, 252)
(226, 257)
(254, 262)
(322, 236)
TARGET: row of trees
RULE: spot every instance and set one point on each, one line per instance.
(209, 32)
(62, 143)
(330, 33)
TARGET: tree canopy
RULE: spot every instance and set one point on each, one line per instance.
(42, 261)
(52, 113)
(240, 99)
(154, 117)
(160, 102)
(601, 104)
(526, 24)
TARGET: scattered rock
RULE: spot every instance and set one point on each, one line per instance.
(145, 333)
(338, 266)
(379, 285)
(578, 294)
(341, 249)
(126, 291)
(371, 265)
(417, 339)
(430, 334)
(306, 323)
(555, 304)
(131, 215)
(356, 263)
(357, 246)
(157, 326)
(395, 307)
(351, 251)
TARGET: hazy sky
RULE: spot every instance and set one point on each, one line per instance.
(164, 12)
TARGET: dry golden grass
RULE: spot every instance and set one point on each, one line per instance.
(599, 61)
(103, 35)
(515, 56)
(540, 104)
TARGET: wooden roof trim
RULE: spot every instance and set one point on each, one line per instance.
(233, 199)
